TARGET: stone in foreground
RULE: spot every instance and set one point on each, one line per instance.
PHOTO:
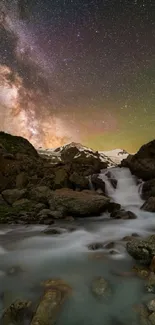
(56, 292)
(100, 288)
(16, 313)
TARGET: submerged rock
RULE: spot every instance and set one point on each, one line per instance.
(149, 205)
(56, 292)
(150, 283)
(141, 271)
(14, 270)
(17, 313)
(151, 305)
(100, 288)
(143, 314)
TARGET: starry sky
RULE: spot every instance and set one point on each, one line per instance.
(78, 70)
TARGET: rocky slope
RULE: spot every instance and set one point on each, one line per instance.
(31, 184)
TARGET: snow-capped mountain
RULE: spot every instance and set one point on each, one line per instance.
(55, 155)
(116, 155)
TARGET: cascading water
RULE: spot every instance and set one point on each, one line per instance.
(67, 256)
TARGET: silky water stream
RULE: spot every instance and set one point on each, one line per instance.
(67, 256)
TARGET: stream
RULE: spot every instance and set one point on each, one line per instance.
(41, 256)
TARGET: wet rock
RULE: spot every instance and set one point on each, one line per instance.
(128, 238)
(69, 218)
(12, 195)
(98, 183)
(53, 231)
(151, 305)
(143, 314)
(17, 313)
(109, 245)
(84, 203)
(14, 270)
(113, 207)
(46, 221)
(150, 283)
(56, 292)
(100, 288)
(112, 179)
(148, 189)
(152, 318)
(141, 271)
(95, 246)
(142, 250)
(122, 214)
(149, 205)
(114, 252)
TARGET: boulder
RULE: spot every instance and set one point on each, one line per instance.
(122, 214)
(40, 194)
(149, 205)
(23, 203)
(142, 164)
(113, 207)
(98, 183)
(78, 182)
(79, 204)
(95, 246)
(148, 189)
(112, 179)
(61, 178)
(142, 250)
(12, 195)
(15, 144)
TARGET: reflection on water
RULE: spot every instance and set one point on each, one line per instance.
(41, 257)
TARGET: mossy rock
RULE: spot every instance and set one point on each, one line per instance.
(15, 144)
(13, 213)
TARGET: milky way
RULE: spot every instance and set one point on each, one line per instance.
(78, 70)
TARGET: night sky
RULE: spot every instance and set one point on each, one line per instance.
(78, 70)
